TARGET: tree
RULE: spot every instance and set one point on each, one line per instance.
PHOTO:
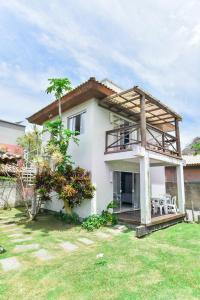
(196, 148)
(58, 143)
(31, 142)
(58, 87)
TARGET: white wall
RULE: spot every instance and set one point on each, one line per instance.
(100, 170)
(81, 155)
(157, 179)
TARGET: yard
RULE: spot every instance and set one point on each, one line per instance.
(164, 265)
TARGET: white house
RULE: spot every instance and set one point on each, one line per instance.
(126, 140)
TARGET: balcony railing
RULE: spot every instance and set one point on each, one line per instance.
(123, 139)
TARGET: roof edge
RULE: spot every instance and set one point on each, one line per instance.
(90, 85)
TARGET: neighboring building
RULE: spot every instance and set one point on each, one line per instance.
(192, 183)
(10, 153)
(9, 133)
(126, 140)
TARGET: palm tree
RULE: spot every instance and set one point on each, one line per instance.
(58, 87)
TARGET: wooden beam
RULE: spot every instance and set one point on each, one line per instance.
(154, 109)
(166, 122)
(156, 102)
(154, 116)
(178, 144)
(143, 121)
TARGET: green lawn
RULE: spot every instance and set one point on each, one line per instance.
(164, 265)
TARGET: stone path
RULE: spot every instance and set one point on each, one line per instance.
(13, 235)
(8, 230)
(21, 248)
(9, 264)
(85, 241)
(7, 225)
(120, 227)
(3, 222)
(102, 235)
(22, 239)
(117, 229)
(43, 255)
(12, 263)
(67, 246)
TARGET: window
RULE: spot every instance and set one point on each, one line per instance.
(77, 123)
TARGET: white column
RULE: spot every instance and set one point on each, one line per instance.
(180, 188)
(145, 201)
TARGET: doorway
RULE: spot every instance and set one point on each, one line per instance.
(126, 190)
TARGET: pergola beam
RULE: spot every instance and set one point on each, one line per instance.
(143, 121)
(156, 102)
(178, 145)
(164, 114)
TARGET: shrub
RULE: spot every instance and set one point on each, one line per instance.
(72, 218)
(96, 221)
(93, 222)
(109, 217)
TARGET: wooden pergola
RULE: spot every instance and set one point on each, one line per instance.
(139, 106)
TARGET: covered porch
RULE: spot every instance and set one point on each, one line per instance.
(138, 178)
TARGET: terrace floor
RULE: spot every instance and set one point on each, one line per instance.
(134, 217)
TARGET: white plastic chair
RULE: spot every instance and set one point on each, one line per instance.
(157, 204)
(172, 207)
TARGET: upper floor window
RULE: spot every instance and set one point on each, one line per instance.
(77, 123)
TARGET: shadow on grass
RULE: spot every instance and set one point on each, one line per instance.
(45, 222)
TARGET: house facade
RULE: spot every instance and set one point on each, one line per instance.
(126, 140)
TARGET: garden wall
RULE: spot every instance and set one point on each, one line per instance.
(192, 193)
(9, 191)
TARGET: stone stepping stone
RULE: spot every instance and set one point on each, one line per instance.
(4, 218)
(120, 227)
(67, 246)
(9, 264)
(102, 235)
(22, 239)
(13, 235)
(3, 222)
(11, 229)
(85, 241)
(43, 255)
(7, 225)
(21, 248)
(114, 231)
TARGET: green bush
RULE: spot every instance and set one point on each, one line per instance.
(72, 218)
(93, 222)
(96, 221)
(109, 217)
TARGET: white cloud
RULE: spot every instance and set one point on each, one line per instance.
(16, 106)
(156, 41)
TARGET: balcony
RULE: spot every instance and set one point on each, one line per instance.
(153, 125)
(123, 139)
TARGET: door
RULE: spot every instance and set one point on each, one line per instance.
(126, 188)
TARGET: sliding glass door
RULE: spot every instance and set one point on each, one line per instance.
(126, 190)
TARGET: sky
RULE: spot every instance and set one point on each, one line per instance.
(154, 44)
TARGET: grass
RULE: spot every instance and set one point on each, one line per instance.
(164, 265)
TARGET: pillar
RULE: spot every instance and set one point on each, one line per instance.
(180, 188)
(145, 198)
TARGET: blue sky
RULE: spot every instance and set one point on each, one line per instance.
(154, 44)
